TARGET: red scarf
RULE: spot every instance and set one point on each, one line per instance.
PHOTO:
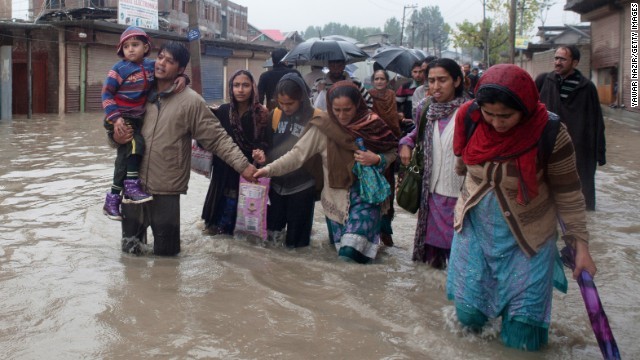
(519, 143)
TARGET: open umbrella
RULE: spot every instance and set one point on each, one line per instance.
(397, 59)
(597, 316)
(419, 53)
(336, 37)
(320, 52)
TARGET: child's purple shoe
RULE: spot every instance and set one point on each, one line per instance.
(133, 193)
(111, 206)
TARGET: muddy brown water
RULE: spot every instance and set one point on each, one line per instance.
(67, 292)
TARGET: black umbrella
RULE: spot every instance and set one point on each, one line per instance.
(320, 52)
(419, 53)
(397, 59)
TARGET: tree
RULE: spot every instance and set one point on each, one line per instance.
(393, 28)
(427, 30)
(471, 35)
(543, 10)
(312, 31)
(333, 28)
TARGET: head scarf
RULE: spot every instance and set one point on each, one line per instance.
(259, 115)
(367, 125)
(341, 145)
(306, 109)
(520, 142)
(384, 104)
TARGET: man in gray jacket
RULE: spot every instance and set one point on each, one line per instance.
(170, 122)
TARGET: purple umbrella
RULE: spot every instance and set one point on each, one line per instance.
(599, 321)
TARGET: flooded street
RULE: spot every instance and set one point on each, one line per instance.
(67, 291)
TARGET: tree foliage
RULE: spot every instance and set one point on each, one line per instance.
(393, 28)
(428, 30)
(333, 28)
(312, 31)
(472, 35)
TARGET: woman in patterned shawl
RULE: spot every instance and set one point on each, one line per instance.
(354, 225)
(440, 184)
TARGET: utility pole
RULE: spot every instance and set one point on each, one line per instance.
(194, 47)
(485, 30)
(428, 35)
(521, 28)
(413, 28)
(404, 11)
(512, 31)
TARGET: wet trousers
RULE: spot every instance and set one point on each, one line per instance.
(128, 157)
(163, 215)
(295, 211)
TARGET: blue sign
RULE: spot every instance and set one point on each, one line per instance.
(193, 34)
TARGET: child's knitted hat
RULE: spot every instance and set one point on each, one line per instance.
(131, 32)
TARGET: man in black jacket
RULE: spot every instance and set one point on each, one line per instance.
(269, 79)
(571, 95)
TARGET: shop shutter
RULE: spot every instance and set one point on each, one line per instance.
(72, 98)
(255, 66)
(100, 60)
(212, 68)
(235, 64)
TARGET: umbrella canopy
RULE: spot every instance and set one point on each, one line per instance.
(320, 52)
(397, 59)
(419, 53)
(336, 37)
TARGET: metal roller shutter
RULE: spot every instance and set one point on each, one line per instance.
(212, 68)
(100, 60)
(72, 98)
(235, 64)
(255, 66)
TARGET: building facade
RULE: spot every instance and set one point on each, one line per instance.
(611, 47)
(70, 51)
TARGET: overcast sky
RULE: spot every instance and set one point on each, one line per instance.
(289, 15)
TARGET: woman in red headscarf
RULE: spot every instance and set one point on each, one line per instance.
(354, 225)
(504, 260)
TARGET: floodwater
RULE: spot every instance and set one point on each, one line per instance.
(67, 291)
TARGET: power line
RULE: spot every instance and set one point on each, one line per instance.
(379, 6)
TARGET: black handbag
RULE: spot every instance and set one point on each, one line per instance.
(409, 193)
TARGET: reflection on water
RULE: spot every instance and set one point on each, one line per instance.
(68, 292)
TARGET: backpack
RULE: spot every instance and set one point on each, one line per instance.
(545, 144)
